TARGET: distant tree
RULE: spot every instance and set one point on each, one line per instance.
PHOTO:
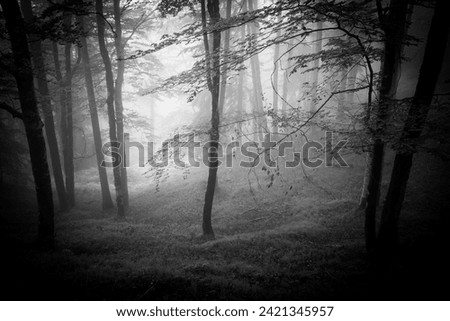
(67, 116)
(226, 47)
(317, 49)
(66, 111)
(110, 105)
(275, 79)
(106, 195)
(258, 109)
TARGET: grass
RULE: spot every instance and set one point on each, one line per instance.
(278, 243)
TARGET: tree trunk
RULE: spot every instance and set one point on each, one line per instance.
(317, 48)
(340, 115)
(226, 46)
(394, 28)
(258, 110)
(415, 122)
(68, 147)
(106, 195)
(46, 105)
(351, 84)
(213, 74)
(240, 96)
(275, 94)
(118, 41)
(67, 160)
(363, 197)
(33, 124)
(286, 81)
(110, 103)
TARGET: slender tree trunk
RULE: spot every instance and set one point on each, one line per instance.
(341, 97)
(106, 195)
(33, 124)
(415, 122)
(60, 99)
(240, 105)
(394, 34)
(213, 71)
(260, 116)
(275, 94)
(110, 103)
(66, 113)
(68, 147)
(317, 48)
(240, 96)
(226, 47)
(118, 41)
(285, 92)
(44, 92)
(366, 178)
(351, 84)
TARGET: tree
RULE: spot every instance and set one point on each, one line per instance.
(45, 100)
(393, 25)
(106, 195)
(67, 118)
(275, 94)
(65, 125)
(212, 60)
(317, 49)
(226, 47)
(240, 94)
(285, 91)
(110, 104)
(414, 125)
(33, 125)
(118, 100)
(258, 110)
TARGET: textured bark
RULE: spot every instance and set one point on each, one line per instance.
(394, 28)
(33, 124)
(118, 41)
(415, 122)
(106, 195)
(110, 104)
(213, 61)
(46, 106)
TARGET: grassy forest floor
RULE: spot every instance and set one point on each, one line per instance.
(277, 243)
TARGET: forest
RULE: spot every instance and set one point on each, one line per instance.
(224, 149)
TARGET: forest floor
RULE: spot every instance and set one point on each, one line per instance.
(300, 239)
